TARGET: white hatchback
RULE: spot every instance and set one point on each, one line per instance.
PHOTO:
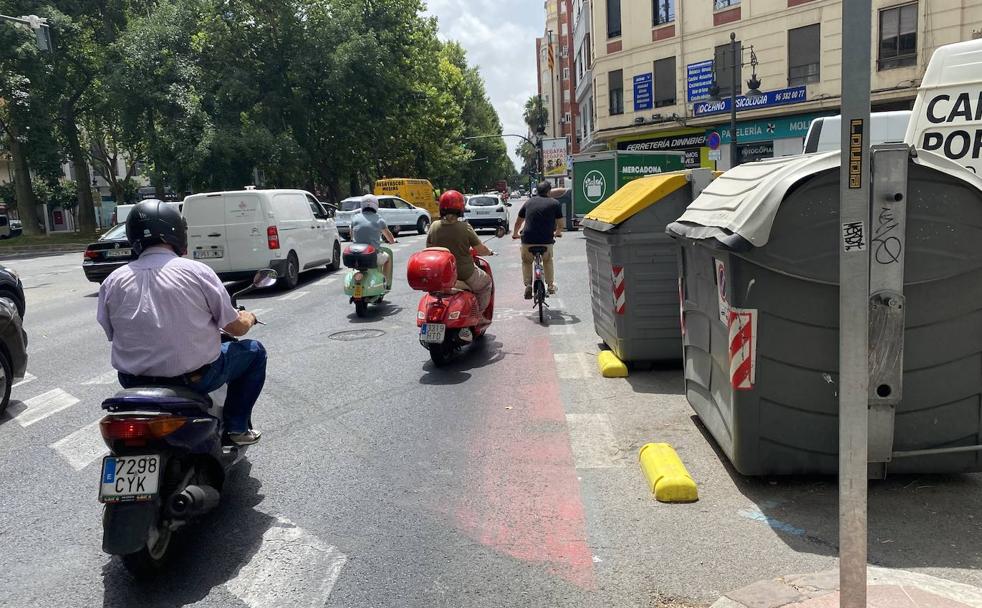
(397, 213)
(487, 211)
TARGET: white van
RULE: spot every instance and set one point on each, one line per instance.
(825, 133)
(947, 116)
(238, 233)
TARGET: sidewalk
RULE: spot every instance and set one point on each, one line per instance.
(11, 253)
(887, 589)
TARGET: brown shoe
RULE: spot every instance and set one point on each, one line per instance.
(528, 292)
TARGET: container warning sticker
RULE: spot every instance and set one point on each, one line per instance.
(724, 305)
(743, 348)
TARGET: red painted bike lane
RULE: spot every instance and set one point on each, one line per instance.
(524, 495)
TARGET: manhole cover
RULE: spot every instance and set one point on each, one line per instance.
(356, 334)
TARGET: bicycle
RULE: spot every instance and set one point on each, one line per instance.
(539, 291)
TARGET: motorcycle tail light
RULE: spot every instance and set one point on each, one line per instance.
(136, 430)
(436, 312)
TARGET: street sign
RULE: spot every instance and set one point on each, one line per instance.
(699, 77)
(643, 92)
(713, 140)
(715, 155)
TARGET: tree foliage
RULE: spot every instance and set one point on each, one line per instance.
(328, 95)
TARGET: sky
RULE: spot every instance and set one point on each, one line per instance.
(499, 37)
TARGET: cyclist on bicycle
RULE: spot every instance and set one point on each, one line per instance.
(542, 218)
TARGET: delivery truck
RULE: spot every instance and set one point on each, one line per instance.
(598, 175)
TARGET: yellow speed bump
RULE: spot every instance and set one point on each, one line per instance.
(667, 477)
(610, 365)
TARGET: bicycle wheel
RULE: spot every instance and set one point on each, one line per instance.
(539, 299)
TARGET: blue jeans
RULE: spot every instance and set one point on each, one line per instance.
(241, 365)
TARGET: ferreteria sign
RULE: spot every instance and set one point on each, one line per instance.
(771, 98)
(671, 142)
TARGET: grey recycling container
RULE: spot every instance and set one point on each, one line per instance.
(632, 265)
(759, 265)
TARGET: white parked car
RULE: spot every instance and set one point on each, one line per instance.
(397, 213)
(487, 211)
(238, 233)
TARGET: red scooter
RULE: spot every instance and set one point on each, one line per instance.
(448, 317)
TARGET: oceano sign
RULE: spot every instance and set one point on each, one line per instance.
(771, 98)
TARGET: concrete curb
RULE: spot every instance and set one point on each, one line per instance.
(796, 589)
(8, 253)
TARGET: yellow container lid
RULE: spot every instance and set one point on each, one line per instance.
(638, 195)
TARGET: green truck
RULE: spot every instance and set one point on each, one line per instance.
(598, 175)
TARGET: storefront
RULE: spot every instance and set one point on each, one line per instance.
(765, 137)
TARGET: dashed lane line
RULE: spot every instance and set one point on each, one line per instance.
(593, 443)
(110, 377)
(291, 568)
(296, 295)
(38, 408)
(572, 366)
(83, 447)
(28, 377)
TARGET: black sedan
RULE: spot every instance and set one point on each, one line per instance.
(110, 252)
(13, 339)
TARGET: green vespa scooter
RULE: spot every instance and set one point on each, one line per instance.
(365, 282)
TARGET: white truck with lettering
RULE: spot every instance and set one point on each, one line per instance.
(947, 115)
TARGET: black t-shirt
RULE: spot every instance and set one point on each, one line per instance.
(540, 216)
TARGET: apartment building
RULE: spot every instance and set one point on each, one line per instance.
(656, 63)
(557, 78)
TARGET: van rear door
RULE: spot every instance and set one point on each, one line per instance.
(207, 241)
(246, 237)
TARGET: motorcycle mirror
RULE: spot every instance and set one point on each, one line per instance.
(264, 278)
(500, 232)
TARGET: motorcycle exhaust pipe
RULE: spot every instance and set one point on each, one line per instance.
(193, 501)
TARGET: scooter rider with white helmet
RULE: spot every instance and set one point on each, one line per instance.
(368, 228)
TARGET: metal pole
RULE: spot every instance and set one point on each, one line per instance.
(552, 85)
(854, 303)
(734, 157)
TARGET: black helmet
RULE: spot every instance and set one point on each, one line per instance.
(156, 223)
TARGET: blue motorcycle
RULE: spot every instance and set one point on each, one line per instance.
(168, 459)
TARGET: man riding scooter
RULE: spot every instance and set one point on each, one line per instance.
(368, 228)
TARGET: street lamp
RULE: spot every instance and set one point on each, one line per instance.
(753, 91)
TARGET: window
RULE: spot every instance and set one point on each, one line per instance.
(315, 207)
(401, 204)
(386, 203)
(568, 117)
(613, 18)
(565, 51)
(804, 52)
(565, 73)
(724, 59)
(721, 4)
(898, 36)
(565, 95)
(665, 82)
(663, 11)
(615, 84)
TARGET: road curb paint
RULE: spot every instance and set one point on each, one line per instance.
(668, 478)
(610, 365)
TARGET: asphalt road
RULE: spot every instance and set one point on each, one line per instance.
(508, 479)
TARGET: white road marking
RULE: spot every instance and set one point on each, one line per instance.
(571, 366)
(28, 377)
(593, 442)
(82, 447)
(292, 568)
(561, 330)
(110, 377)
(38, 408)
(296, 295)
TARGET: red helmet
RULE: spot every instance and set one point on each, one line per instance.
(451, 201)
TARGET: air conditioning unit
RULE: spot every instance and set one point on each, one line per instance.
(639, 120)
